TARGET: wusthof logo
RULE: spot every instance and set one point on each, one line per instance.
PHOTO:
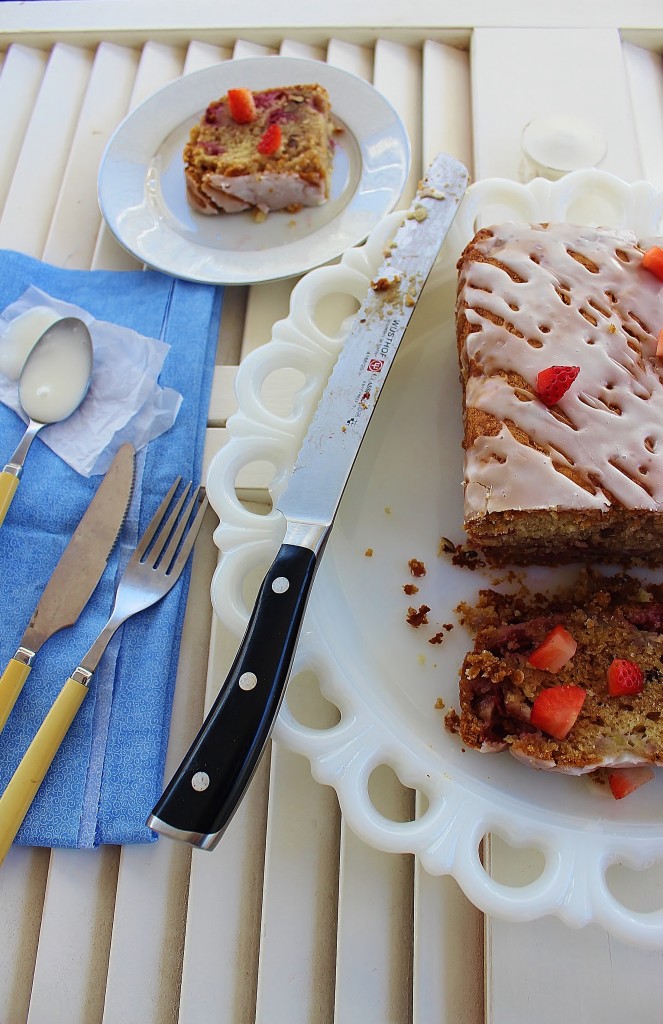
(375, 365)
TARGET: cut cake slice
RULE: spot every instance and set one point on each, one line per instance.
(228, 169)
(609, 618)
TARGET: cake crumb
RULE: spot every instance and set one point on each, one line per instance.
(437, 638)
(419, 213)
(467, 558)
(452, 721)
(383, 284)
(431, 193)
(439, 704)
(368, 552)
(417, 567)
(410, 589)
(417, 617)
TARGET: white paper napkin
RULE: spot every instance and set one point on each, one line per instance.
(124, 401)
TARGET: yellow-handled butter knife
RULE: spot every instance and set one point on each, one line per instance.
(76, 575)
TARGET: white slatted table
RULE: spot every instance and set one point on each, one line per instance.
(292, 920)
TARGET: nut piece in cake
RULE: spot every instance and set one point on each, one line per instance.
(569, 682)
(268, 150)
(557, 329)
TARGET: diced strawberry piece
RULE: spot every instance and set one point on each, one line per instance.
(625, 678)
(270, 142)
(554, 652)
(241, 105)
(653, 261)
(659, 345)
(553, 382)
(556, 709)
(623, 781)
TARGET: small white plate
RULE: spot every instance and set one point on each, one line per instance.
(142, 191)
(384, 677)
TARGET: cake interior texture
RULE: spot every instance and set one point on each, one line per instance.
(580, 479)
(609, 617)
(226, 171)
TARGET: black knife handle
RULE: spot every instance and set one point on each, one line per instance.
(205, 791)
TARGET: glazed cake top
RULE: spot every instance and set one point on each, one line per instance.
(566, 296)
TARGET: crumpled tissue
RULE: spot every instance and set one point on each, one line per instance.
(124, 402)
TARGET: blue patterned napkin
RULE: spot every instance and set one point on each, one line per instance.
(109, 771)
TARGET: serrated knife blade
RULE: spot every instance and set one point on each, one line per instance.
(76, 574)
(206, 789)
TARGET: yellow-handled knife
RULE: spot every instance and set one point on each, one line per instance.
(76, 575)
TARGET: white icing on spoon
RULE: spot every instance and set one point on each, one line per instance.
(52, 385)
(56, 374)
(21, 336)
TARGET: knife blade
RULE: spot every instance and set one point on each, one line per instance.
(204, 793)
(75, 576)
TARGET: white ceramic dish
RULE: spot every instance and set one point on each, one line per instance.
(142, 192)
(404, 494)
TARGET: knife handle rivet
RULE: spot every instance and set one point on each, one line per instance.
(200, 781)
(280, 585)
(248, 680)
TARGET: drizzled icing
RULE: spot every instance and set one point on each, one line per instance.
(608, 428)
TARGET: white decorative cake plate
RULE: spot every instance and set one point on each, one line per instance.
(384, 676)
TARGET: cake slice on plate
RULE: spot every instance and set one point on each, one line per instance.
(268, 150)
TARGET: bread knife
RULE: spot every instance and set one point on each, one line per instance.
(76, 575)
(204, 793)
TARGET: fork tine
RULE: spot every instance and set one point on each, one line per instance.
(167, 528)
(154, 523)
(175, 537)
(175, 569)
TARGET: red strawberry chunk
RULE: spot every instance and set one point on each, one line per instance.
(554, 652)
(625, 678)
(553, 382)
(241, 105)
(556, 709)
(623, 781)
(270, 142)
(653, 261)
(659, 345)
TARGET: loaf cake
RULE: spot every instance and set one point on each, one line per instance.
(557, 329)
(570, 682)
(268, 150)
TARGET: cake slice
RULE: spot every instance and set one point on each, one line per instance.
(571, 682)
(269, 150)
(557, 329)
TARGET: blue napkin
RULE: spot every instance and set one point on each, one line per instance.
(109, 771)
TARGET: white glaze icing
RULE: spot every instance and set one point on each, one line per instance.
(266, 190)
(609, 425)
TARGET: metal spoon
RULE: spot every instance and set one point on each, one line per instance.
(53, 383)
